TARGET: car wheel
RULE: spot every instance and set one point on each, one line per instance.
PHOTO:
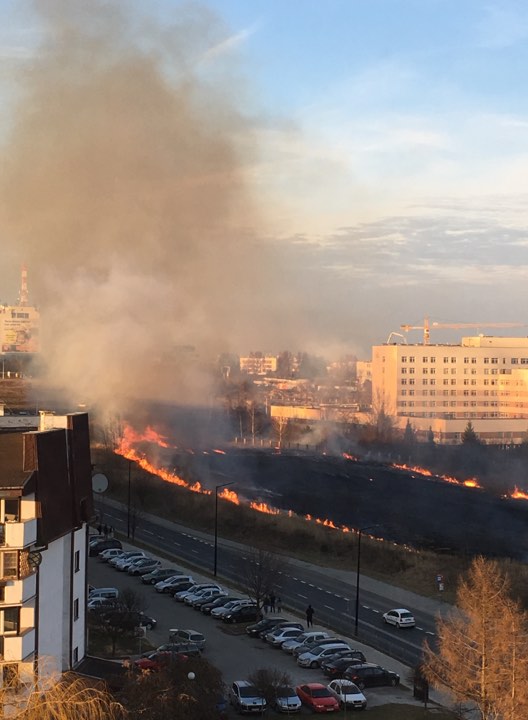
(313, 664)
(393, 682)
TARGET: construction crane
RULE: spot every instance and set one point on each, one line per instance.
(426, 327)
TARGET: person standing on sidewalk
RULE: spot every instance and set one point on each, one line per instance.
(309, 616)
(272, 602)
(279, 605)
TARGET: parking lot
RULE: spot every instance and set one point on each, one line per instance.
(228, 646)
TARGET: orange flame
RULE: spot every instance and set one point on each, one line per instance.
(347, 456)
(229, 495)
(219, 452)
(264, 508)
(470, 483)
(517, 494)
(131, 437)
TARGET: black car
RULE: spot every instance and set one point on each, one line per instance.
(183, 648)
(283, 624)
(107, 544)
(244, 613)
(264, 625)
(216, 602)
(370, 675)
(122, 617)
(335, 668)
(158, 575)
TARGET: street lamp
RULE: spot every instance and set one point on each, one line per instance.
(129, 496)
(217, 488)
(361, 530)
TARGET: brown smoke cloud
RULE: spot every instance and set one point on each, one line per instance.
(126, 189)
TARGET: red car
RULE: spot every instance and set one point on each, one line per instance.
(157, 660)
(317, 697)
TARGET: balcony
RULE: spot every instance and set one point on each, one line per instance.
(18, 534)
(19, 647)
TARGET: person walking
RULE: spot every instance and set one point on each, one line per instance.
(279, 605)
(265, 604)
(272, 603)
(309, 616)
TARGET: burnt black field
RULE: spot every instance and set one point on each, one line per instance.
(407, 507)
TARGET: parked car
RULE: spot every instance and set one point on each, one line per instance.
(119, 562)
(282, 624)
(188, 636)
(124, 564)
(99, 545)
(348, 694)
(195, 591)
(219, 612)
(287, 700)
(241, 614)
(246, 698)
(106, 555)
(217, 602)
(183, 648)
(264, 625)
(156, 661)
(159, 574)
(307, 639)
(314, 657)
(317, 697)
(400, 617)
(335, 667)
(302, 649)
(208, 594)
(109, 593)
(143, 566)
(101, 603)
(276, 637)
(370, 675)
(171, 583)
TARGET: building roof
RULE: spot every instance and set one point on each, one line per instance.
(12, 474)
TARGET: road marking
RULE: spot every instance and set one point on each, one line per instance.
(428, 632)
(329, 607)
(419, 628)
(367, 607)
(148, 531)
(303, 596)
(376, 611)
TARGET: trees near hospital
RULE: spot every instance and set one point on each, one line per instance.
(482, 650)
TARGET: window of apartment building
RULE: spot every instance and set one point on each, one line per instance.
(453, 381)
(445, 392)
(404, 382)
(486, 361)
(75, 655)
(433, 403)
(411, 358)
(494, 371)
(494, 361)
(10, 676)
(433, 371)
(76, 609)
(445, 403)
(411, 403)
(473, 382)
(473, 403)
(433, 392)
(404, 392)
(425, 371)
(465, 403)
(446, 371)
(425, 381)
(9, 564)
(425, 359)
(486, 393)
(515, 361)
(445, 382)
(411, 392)
(453, 371)
(486, 382)
(9, 509)
(411, 381)
(524, 361)
(452, 392)
(466, 382)
(404, 358)
(453, 359)
(474, 360)
(77, 561)
(411, 371)
(465, 371)
(473, 371)
(404, 403)
(404, 371)
(432, 382)
(426, 392)
(466, 392)
(466, 360)
(473, 393)
(433, 359)
(9, 621)
(452, 403)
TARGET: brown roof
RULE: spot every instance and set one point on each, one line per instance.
(12, 474)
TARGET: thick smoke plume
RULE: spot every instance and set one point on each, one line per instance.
(126, 189)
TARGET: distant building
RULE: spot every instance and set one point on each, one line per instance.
(20, 324)
(441, 387)
(45, 505)
(258, 364)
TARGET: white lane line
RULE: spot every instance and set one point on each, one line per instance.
(366, 607)
(329, 607)
(428, 632)
(303, 582)
(419, 628)
(303, 596)
(376, 611)
(195, 551)
(148, 531)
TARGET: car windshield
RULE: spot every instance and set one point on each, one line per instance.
(285, 692)
(321, 693)
(248, 692)
(350, 689)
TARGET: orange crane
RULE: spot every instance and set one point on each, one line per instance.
(426, 327)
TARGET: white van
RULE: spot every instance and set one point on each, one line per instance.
(106, 593)
(315, 657)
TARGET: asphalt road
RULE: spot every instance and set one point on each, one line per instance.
(334, 598)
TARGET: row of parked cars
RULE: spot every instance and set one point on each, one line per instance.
(346, 668)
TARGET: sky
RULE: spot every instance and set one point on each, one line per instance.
(381, 146)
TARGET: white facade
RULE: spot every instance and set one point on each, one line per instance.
(258, 364)
(483, 380)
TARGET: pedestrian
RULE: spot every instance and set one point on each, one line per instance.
(105, 530)
(309, 616)
(266, 605)
(100, 529)
(279, 605)
(111, 531)
(272, 603)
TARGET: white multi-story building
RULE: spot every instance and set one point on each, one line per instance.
(45, 503)
(258, 364)
(440, 388)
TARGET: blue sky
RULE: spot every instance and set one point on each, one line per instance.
(392, 149)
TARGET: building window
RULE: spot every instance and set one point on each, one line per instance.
(404, 392)
(411, 359)
(515, 361)
(75, 655)
(453, 359)
(433, 392)
(494, 361)
(9, 509)
(486, 361)
(10, 676)
(466, 360)
(425, 359)
(404, 358)
(76, 609)
(404, 382)
(453, 381)
(77, 560)
(411, 392)
(425, 371)
(433, 382)
(425, 381)
(474, 360)
(9, 621)
(411, 371)
(404, 371)
(9, 564)
(411, 381)
(433, 359)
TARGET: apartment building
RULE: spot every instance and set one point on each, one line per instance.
(258, 364)
(45, 504)
(484, 380)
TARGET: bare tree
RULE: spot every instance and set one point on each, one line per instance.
(269, 681)
(280, 426)
(261, 573)
(482, 656)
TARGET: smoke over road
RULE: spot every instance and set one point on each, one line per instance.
(126, 187)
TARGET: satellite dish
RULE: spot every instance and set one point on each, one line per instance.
(99, 483)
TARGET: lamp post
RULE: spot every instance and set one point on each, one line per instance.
(129, 496)
(217, 488)
(360, 531)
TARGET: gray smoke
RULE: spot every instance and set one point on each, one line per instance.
(125, 187)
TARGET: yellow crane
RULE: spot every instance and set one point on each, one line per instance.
(427, 326)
